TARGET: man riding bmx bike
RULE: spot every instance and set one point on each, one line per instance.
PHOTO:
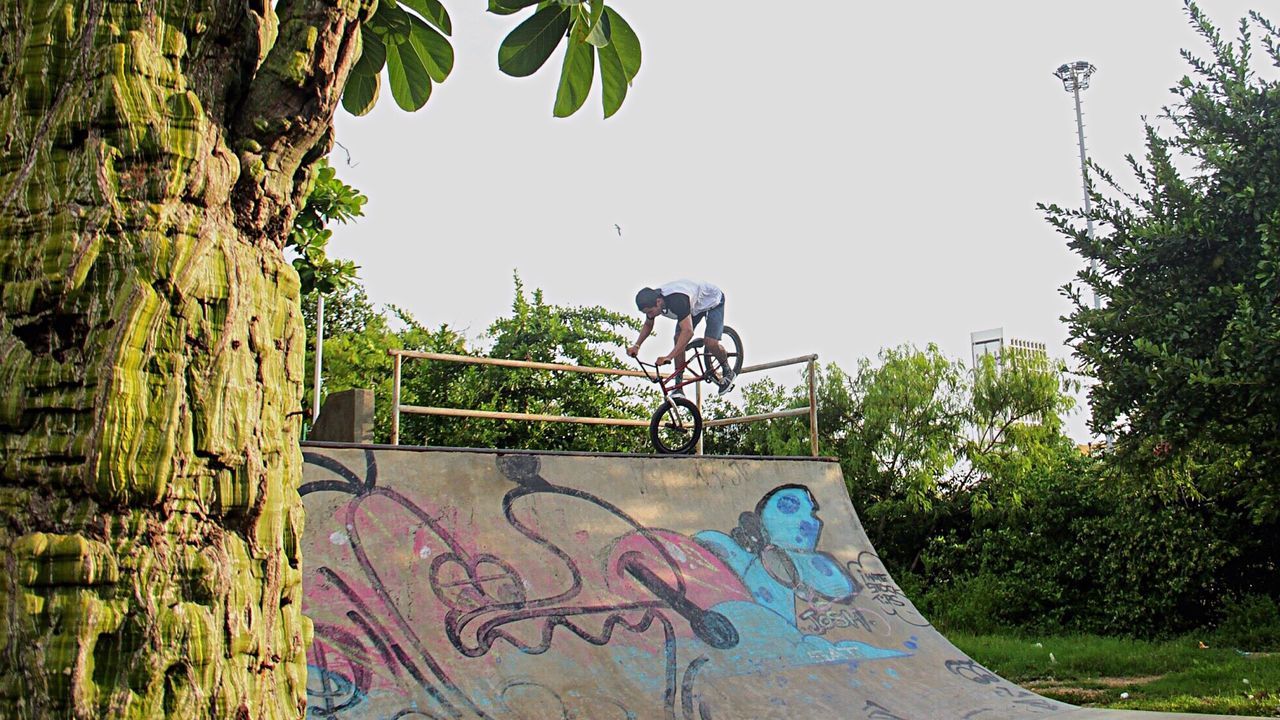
(687, 302)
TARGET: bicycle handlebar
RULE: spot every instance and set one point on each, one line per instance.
(656, 377)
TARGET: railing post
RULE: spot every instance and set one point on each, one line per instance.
(319, 359)
(813, 407)
(703, 434)
(395, 402)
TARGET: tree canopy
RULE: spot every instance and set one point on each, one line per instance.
(1186, 347)
(409, 40)
(358, 336)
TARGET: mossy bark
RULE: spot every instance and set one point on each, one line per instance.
(152, 157)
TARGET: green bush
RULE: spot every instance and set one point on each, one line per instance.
(974, 605)
(1251, 623)
(1083, 554)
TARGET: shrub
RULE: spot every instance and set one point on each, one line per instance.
(976, 605)
(1250, 623)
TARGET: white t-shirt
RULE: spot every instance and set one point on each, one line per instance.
(702, 296)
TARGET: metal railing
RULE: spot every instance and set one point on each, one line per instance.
(398, 408)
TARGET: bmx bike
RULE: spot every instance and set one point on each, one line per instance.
(676, 425)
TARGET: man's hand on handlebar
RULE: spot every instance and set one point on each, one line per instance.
(634, 350)
(662, 360)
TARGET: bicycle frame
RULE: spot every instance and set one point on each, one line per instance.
(694, 372)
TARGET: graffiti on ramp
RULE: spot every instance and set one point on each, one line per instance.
(489, 585)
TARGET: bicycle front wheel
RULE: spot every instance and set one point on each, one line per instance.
(676, 426)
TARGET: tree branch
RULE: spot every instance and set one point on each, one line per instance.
(286, 119)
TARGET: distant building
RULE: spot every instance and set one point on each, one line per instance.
(993, 342)
(1092, 448)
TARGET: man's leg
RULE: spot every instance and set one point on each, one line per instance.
(679, 363)
(715, 331)
(717, 349)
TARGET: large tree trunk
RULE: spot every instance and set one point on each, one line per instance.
(152, 157)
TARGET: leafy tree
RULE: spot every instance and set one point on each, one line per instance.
(920, 438)
(330, 200)
(408, 38)
(910, 420)
(1186, 348)
(356, 357)
(538, 332)
(155, 157)
(1086, 552)
(1015, 410)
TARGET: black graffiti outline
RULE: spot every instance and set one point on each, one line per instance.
(564, 709)
(708, 625)
(897, 592)
(362, 489)
(876, 711)
(970, 670)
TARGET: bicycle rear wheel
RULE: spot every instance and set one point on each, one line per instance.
(707, 361)
(732, 343)
(676, 426)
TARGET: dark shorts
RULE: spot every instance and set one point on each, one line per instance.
(715, 322)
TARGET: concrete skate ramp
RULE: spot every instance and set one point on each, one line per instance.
(472, 584)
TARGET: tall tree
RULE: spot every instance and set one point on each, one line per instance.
(536, 331)
(916, 431)
(1186, 348)
(153, 157)
(358, 337)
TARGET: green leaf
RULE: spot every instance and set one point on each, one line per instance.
(390, 24)
(361, 93)
(434, 13)
(532, 42)
(410, 82)
(624, 40)
(432, 48)
(575, 78)
(613, 79)
(507, 7)
(597, 34)
(373, 54)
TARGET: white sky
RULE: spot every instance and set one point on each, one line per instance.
(855, 175)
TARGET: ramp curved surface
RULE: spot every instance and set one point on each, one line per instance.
(471, 584)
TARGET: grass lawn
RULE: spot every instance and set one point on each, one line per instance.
(1174, 676)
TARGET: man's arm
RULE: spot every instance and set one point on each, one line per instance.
(684, 333)
(645, 329)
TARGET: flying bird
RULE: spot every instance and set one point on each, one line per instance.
(618, 227)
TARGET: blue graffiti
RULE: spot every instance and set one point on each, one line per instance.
(774, 552)
(773, 644)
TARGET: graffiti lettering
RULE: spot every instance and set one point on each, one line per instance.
(884, 591)
(972, 671)
(821, 621)
(876, 711)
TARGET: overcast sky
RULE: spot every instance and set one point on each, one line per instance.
(854, 175)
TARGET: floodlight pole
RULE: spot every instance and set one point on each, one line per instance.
(1075, 77)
